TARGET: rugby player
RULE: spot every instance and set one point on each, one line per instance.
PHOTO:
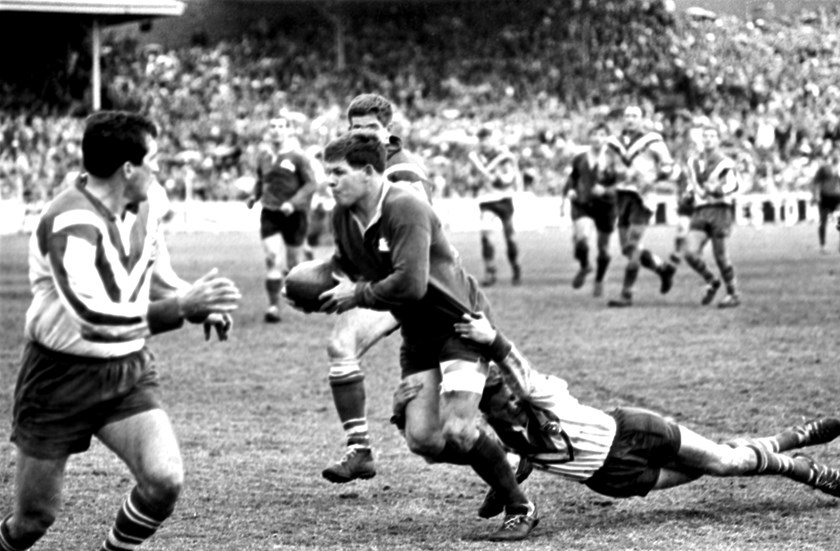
(500, 178)
(826, 194)
(285, 186)
(391, 245)
(102, 283)
(591, 192)
(623, 453)
(713, 181)
(647, 162)
(356, 330)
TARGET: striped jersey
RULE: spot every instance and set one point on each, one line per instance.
(285, 176)
(562, 436)
(647, 161)
(402, 166)
(101, 283)
(713, 180)
(499, 165)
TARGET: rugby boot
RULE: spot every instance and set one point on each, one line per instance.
(272, 315)
(815, 432)
(492, 504)
(666, 277)
(580, 277)
(711, 291)
(518, 524)
(623, 301)
(730, 301)
(356, 463)
(826, 479)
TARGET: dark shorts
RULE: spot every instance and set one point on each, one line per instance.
(716, 221)
(685, 206)
(603, 214)
(644, 443)
(293, 227)
(829, 203)
(503, 208)
(427, 343)
(61, 400)
(631, 210)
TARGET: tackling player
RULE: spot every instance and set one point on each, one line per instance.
(500, 178)
(285, 186)
(713, 182)
(591, 192)
(647, 161)
(391, 244)
(623, 453)
(355, 331)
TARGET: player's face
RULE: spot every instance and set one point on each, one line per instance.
(504, 406)
(349, 185)
(278, 130)
(711, 139)
(142, 175)
(598, 138)
(370, 122)
(632, 119)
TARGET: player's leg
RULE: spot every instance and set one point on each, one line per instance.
(631, 237)
(695, 243)
(605, 226)
(354, 332)
(683, 223)
(466, 443)
(273, 250)
(488, 223)
(146, 443)
(38, 486)
(295, 228)
(823, 223)
(640, 217)
(582, 228)
(512, 247)
(727, 272)
(812, 433)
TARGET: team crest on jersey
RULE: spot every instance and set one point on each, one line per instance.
(383, 245)
(288, 165)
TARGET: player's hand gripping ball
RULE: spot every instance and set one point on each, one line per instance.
(305, 283)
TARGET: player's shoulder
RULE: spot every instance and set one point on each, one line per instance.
(402, 199)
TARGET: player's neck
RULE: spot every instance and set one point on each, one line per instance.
(109, 193)
(367, 207)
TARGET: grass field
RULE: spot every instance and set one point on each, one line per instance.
(256, 421)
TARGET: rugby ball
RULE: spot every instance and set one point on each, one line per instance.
(306, 281)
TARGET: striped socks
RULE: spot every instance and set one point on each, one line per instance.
(134, 524)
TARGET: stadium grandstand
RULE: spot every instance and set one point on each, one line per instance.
(765, 75)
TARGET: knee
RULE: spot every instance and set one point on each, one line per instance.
(729, 462)
(629, 250)
(162, 488)
(460, 434)
(427, 444)
(342, 346)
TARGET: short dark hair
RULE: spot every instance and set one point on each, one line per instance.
(599, 126)
(113, 137)
(483, 132)
(359, 148)
(371, 104)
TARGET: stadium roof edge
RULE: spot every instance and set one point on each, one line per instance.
(140, 8)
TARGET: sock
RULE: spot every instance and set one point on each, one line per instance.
(679, 245)
(727, 273)
(650, 261)
(582, 253)
(795, 468)
(347, 383)
(8, 544)
(699, 266)
(602, 263)
(272, 288)
(821, 233)
(631, 273)
(488, 251)
(513, 252)
(789, 439)
(489, 460)
(135, 523)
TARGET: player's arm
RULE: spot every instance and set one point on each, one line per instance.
(479, 165)
(309, 184)
(258, 187)
(665, 162)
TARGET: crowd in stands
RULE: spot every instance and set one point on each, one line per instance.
(542, 76)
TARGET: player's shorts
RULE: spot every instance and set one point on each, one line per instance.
(631, 210)
(62, 400)
(685, 206)
(644, 443)
(603, 214)
(716, 221)
(428, 342)
(503, 208)
(829, 203)
(292, 227)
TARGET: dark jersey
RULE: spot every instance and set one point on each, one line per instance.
(827, 182)
(404, 263)
(285, 176)
(402, 166)
(585, 174)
